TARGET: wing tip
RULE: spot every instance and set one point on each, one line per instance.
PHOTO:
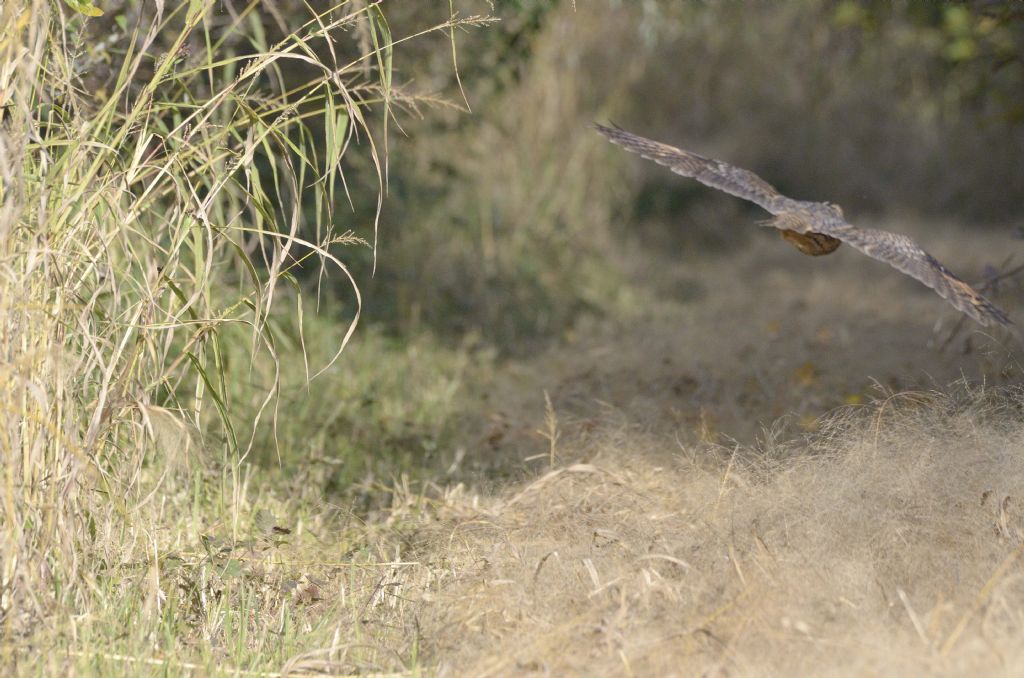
(987, 313)
(998, 317)
(611, 132)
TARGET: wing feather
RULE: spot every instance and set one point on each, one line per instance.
(897, 250)
(714, 173)
(905, 255)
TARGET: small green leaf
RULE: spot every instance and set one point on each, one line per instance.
(84, 7)
(958, 20)
(961, 49)
(849, 13)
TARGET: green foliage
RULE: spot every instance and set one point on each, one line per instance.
(979, 40)
(391, 406)
(162, 184)
(84, 7)
(499, 222)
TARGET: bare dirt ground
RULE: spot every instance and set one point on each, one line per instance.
(768, 470)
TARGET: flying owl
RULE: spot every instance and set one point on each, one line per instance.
(815, 228)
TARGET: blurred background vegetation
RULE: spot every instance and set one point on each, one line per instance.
(448, 166)
(508, 222)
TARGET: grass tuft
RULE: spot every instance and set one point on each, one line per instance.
(167, 175)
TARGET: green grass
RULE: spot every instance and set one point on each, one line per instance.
(391, 406)
(268, 562)
(167, 177)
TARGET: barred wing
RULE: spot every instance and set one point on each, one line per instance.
(714, 173)
(905, 255)
(897, 250)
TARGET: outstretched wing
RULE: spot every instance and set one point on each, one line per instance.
(907, 256)
(897, 250)
(714, 173)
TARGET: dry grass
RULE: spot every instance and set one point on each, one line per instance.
(161, 186)
(881, 537)
(886, 544)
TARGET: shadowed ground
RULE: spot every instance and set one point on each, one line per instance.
(735, 341)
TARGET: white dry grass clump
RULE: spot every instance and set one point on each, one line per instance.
(888, 543)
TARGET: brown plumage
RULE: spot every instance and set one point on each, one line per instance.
(815, 228)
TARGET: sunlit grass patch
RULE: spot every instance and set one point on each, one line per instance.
(391, 407)
(300, 585)
(890, 540)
